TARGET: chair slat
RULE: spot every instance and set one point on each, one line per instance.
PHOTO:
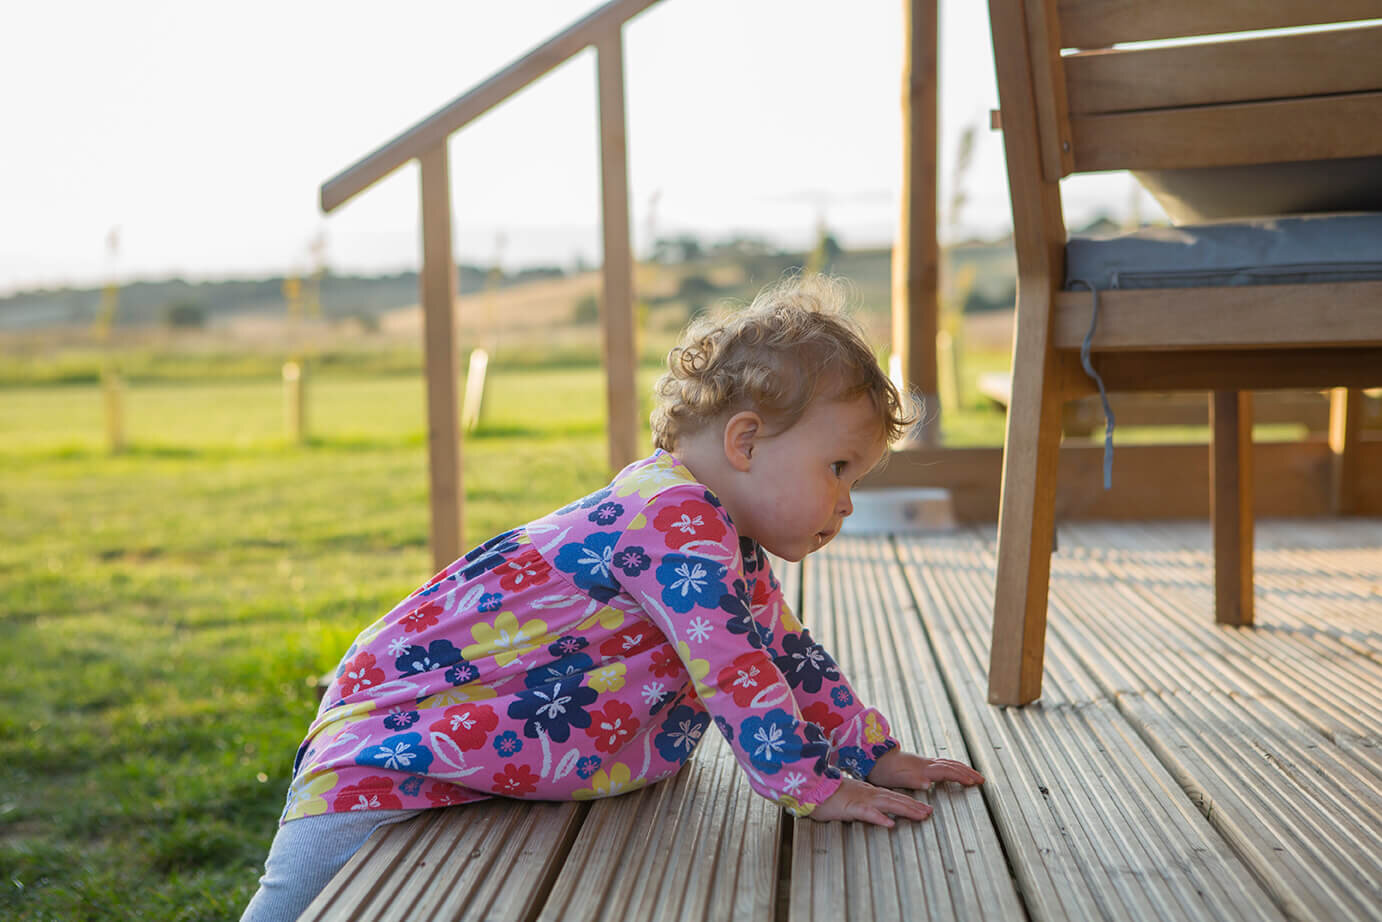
(1276, 67)
(1319, 128)
(1101, 23)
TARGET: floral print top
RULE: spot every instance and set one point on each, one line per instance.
(584, 655)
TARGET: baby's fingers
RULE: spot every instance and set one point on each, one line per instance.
(895, 804)
(950, 770)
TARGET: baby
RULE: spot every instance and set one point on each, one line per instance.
(586, 653)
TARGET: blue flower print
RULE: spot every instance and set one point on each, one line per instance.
(508, 743)
(568, 667)
(435, 587)
(681, 731)
(741, 619)
(411, 786)
(855, 761)
(632, 561)
(606, 513)
(399, 719)
(754, 557)
(489, 555)
(590, 564)
(403, 752)
(566, 645)
(436, 655)
(770, 740)
(553, 709)
(594, 499)
(688, 582)
(491, 601)
(815, 745)
(462, 672)
(588, 766)
(804, 663)
(713, 500)
(841, 696)
(725, 729)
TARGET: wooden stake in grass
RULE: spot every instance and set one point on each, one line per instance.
(112, 386)
(295, 400)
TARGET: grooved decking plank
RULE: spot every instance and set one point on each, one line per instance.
(949, 867)
(487, 860)
(1272, 732)
(699, 846)
(1094, 825)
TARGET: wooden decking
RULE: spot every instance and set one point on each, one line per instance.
(1172, 770)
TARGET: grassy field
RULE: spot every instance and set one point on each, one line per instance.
(165, 611)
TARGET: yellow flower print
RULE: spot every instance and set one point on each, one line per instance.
(607, 784)
(461, 694)
(304, 797)
(790, 623)
(698, 668)
(652, 480)
(611, 619)
(794, 806)
(872, 731)
(505, 640)
(607, 678)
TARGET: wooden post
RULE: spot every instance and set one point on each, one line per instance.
(437, 286)
(1345, 430)
(113, 392)
(295, 400)
(1230, 505)
(617, 302)
(916, 254)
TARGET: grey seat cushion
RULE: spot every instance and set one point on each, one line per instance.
(1296, 249)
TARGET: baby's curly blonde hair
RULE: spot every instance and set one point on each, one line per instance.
(793, 344)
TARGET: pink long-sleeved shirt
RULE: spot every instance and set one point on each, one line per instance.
(584, 655)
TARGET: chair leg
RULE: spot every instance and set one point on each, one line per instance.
(1026, 531)
(1345, 429)
(1230, 504)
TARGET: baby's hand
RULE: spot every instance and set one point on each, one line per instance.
(859, 800)
(898, 769)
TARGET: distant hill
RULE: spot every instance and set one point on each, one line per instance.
(150, 303)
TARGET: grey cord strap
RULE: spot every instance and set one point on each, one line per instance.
(1103, 393)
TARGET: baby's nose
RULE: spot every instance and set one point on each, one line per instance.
(847, 504)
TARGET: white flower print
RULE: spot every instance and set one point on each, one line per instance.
(599, 561)
(688, 524)
(699, 630)
(556, 704)
(746, 678)
(770, 741)
(397, 757)
(654, 692)
(691, 577)
(398, 646)
(793, 782)
(366, 803)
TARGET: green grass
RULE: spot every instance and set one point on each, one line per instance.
(165, 611)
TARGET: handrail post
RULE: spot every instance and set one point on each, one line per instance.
(617, 304)
(916, 254)
(437, 286)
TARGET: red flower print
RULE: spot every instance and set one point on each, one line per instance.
(420, 619)
(360, 674)
(693, 520)
(527, 569)
(372, 793)
(612, 727)
(821, 715)
(749, 674)
(442, 794)
(467, 724)
(630, 641)
(762, 588)
(665, 662)
(515, 781)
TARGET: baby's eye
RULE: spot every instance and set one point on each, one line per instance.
(838, 467)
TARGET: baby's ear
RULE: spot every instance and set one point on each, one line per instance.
(742, 431)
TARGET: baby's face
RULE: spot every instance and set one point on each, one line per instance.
(803, 476)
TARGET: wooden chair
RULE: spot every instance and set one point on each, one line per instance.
(1216, 103)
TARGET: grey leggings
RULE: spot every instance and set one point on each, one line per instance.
(306, 854)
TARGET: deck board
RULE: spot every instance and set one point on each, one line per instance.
(1096, 826)
(950, 867)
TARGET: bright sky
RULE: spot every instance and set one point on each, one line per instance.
(203, 131)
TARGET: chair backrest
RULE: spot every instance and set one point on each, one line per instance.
(1075, 99)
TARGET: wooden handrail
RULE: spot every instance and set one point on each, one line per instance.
(436, 128)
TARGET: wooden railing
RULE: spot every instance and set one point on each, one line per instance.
(426, 142)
